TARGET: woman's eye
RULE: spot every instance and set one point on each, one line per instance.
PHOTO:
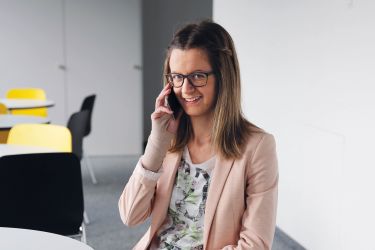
(198, 76)
(176, 77)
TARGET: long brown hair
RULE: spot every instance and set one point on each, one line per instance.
(230, 129)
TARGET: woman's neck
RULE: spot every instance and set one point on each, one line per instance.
(202, 127)
(199, 145)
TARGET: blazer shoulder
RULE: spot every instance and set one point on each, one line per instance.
(257, 138)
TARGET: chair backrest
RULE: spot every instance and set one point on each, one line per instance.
(42, 192)
(43, 135)
(3, 109)
(28, 93)
(77, 125)
(88, 104)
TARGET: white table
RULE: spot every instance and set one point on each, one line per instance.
(8, 121)
(9, 149)
(25, 239)
(26, 103)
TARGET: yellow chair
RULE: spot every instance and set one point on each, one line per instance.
(3, 133)
(3, 109)
(28, 93)
(55, 137)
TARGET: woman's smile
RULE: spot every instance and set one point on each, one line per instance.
(192, 100)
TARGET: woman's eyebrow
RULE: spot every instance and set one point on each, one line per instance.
(195, 71)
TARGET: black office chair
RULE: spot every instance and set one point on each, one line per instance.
(77, 126)
(42, 192)
(88, 104)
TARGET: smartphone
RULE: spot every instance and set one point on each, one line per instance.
(174, 104)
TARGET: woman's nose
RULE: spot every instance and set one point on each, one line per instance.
(187, 87)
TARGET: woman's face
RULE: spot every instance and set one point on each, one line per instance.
(196, 101)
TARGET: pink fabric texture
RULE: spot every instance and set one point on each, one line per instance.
(241, 203)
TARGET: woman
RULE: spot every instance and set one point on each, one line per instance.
(208, 177)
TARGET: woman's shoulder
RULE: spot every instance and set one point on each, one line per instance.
(255, 133)
(258, 137)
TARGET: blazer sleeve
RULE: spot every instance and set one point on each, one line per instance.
(135, 203)
(259, 218)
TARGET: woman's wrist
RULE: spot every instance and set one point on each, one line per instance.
(156, 149)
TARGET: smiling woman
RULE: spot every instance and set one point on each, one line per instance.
(205, 157)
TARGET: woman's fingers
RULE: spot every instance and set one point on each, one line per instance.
(160, 111)
(160, 100)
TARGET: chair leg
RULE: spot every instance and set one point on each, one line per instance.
(89, 167)
(83, 237)
(86, 218)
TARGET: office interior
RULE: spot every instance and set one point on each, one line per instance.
(307, 78)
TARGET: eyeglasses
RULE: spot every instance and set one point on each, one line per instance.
(197, 79)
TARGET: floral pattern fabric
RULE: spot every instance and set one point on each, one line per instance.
(183, 226)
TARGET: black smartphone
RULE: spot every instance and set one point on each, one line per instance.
(173, 103)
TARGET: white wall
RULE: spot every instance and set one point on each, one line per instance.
(307, 74)
(103, 46)
(99, 42)
(31, 48)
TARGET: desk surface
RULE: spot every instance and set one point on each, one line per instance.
(7, 149)
(8, 121)
(26, 103)
(25, 239)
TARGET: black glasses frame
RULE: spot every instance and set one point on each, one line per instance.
(188, 77)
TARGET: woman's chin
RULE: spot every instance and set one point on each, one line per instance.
(196, 112)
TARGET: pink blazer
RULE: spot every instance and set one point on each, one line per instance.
(241, 203)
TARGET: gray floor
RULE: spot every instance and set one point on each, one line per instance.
(106, 231)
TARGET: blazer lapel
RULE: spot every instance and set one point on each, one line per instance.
(164, 188)
(221, 172)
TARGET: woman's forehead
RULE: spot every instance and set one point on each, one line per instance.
(189, 60)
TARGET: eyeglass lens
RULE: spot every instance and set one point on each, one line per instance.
(197, 79)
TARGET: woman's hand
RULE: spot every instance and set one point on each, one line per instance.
(164, 128)
(161, 109)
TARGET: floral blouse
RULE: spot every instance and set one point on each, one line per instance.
(183, 226)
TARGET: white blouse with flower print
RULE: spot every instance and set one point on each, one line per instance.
(183, 225)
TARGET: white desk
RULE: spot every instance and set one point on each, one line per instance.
(8, 121)
(26, 103)
(25, 239)
(7, 149)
